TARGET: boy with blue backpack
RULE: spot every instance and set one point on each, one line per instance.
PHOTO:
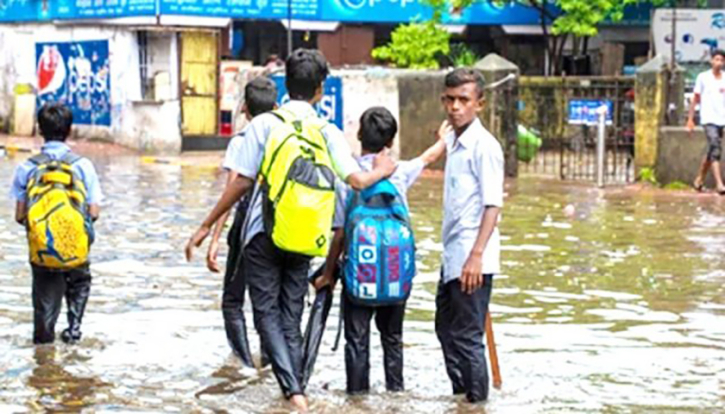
(379, 255)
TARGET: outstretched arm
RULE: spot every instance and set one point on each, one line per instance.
(383, 167)
(435, 151)
(211, 255)
(232, 193)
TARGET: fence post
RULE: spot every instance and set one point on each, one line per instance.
(650, 108)
(601, 140)
(500, 113)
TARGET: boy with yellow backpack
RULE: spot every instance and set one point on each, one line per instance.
(295, 157)
(57, 197)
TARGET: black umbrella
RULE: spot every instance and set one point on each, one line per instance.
(315, 327)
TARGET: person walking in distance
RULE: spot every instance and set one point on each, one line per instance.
(710, 95)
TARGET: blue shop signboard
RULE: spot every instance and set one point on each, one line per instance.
(584, 111)
(78, 75)
(363, 11)
(330, 107)
(40, 10)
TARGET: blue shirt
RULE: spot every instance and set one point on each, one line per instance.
(473, 181)
(56, 150)
(248, 157)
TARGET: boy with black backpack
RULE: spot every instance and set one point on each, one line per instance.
(57, 197)
(379, 255)
(294, 156)
(260, 96)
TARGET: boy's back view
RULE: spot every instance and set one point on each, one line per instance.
(260, 96)
(57, 199)
(377, 132)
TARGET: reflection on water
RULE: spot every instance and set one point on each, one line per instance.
(610, 301)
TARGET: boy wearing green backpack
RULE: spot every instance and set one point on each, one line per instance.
(57, 197)
(295, 157)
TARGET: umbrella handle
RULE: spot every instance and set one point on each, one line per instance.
(493, 354)
(339, 321)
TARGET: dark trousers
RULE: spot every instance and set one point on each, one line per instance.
(49, 288)
(459, 323)
(277, 286)
(234, 290)
(389, 320)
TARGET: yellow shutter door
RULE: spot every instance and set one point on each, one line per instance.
(199, 62)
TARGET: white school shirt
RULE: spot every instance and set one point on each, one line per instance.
(473, 180)
(712, 98)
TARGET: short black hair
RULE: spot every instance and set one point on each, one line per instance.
(55, 120)
(306, 70)
(260, 95)
(462, 76)
(377, 129)
(718, 52)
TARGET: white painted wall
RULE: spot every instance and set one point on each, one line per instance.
(17, 65)
(362, 89)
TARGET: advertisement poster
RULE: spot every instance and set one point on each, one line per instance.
(698, 33)
(78, 75)
(330, 107)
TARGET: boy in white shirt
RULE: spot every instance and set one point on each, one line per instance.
(472, 199)
(710, 95)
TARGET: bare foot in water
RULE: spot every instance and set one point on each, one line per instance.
(299, 402)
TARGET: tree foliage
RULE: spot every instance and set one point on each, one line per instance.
(415, 45)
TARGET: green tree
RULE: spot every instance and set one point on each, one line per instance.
(415, 45)
(579, 19)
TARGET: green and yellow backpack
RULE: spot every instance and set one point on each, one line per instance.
(60, 231)
(298, 186)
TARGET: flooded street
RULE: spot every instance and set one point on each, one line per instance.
(613, 304)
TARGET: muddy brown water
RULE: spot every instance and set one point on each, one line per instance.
(614, 305)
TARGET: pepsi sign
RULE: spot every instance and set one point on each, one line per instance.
(78, 75)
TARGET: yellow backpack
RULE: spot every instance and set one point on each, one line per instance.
(59, 226)
(298, 186)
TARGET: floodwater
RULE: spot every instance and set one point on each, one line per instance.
(614, 304)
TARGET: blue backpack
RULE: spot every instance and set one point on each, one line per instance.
(379, 246)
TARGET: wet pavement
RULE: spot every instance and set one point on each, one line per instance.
(610, 301)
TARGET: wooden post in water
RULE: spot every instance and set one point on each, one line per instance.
(492, 353)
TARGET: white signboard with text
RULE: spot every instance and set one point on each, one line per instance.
(698, 33)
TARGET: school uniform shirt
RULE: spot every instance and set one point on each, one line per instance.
(233, 149)
(248, 157)
(473, 181)
(712, 98)
(56, 150)
(405, 175)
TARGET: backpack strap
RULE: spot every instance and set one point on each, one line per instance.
(382, 187)
(70, 158)
(283, 115)
(39, 159)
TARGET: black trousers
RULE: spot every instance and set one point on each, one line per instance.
(49, 288)
(234, 290)
(389, 320)
(459, 324)
(277, 286)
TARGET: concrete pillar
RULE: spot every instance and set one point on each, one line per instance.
(650, 103)
(500, 113)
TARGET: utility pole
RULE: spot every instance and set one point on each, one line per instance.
(289, 28)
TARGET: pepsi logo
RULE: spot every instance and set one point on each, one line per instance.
(51, 70)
